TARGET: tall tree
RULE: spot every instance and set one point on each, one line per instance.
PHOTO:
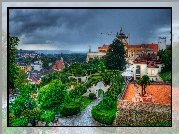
(115, 57)
(144, 82)
(13, 42)
(16, 76)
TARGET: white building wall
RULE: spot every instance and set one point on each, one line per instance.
(94, 54)
(37, 67)
(143, 69)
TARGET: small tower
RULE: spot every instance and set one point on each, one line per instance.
(162, 43)
(61, 58)
(89, 49)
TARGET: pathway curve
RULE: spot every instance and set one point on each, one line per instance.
(83, 119)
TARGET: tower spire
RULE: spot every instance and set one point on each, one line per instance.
(121, 30)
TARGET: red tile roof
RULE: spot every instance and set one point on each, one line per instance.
(134, 46)
(153, 46)
(58, 65)
(151, 60)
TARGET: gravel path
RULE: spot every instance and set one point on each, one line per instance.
(83, 119)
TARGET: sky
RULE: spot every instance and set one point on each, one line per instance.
(76, 29)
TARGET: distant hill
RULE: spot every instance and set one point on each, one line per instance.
(53, 51)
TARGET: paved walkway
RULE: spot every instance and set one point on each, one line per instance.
(83, 119)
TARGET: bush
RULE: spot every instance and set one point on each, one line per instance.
(70, 110)
(48, 117)
(11, 117)
(92, 96)
(20, 122)
(103, 116)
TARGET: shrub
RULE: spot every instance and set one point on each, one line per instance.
(48, 117)
(103, 116)
(11, 117)
(92, 96)
(20, 122)
(70, 110)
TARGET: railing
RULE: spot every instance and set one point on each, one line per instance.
(155, 83)
(121, 95)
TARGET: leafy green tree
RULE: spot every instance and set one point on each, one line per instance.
(74, 93)
(144, 82)
(13, 42)
(53, 94)
(20, 78)
(45, 61)
(115, 57)
(101, 66)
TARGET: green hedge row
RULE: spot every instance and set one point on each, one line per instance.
(70, 110)
(103, 116)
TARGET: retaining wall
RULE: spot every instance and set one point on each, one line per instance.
(138, 113)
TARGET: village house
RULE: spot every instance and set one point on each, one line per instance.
(59, 65)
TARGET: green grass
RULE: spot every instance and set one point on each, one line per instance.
(96, 77)
(86, 101)
(100, 91)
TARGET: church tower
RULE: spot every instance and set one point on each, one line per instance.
(122, 37)
(89, 49)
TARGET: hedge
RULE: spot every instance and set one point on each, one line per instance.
(103, 117)
(48, 117)
(92, 96)
(70, 110)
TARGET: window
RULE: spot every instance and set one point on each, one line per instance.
(152, 71)
(137, 72)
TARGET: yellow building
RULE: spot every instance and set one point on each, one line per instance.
(24, 67)
(147, 65)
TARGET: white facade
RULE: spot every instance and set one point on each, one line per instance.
(36, 66)
(144, 70)
(162, 43)
(94, 54)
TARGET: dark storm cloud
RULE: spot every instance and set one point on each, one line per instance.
(67, 28)
(52, 24)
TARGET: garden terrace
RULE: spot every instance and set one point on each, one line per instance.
(160, 93)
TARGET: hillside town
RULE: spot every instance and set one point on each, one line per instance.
(90, 84)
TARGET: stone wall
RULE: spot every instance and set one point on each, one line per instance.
(138, 113)
(94, 89)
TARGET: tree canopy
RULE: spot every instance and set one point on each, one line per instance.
(115, 57)
(144, 82)
(52, 95)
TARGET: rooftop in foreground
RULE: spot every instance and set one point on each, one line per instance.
(160, 93)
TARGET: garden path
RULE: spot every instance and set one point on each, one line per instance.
(84, 118)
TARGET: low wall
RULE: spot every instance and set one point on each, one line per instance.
(138, 113)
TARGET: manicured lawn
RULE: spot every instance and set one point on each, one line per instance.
(86, 101)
